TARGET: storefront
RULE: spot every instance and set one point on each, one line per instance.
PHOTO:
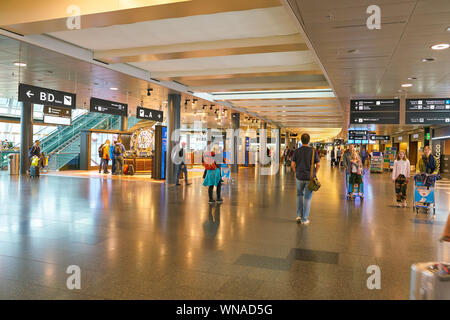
(401, 143)
(441, 148)
(416, 139)
(139, 146)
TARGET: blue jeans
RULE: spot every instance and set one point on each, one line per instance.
(304, 197)
(181, 167)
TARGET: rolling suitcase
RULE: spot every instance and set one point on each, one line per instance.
(427, 283)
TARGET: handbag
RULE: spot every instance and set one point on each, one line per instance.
(314, 183)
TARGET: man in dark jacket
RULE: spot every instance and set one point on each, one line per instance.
(182, 165)
(118, 152)
(35, 150)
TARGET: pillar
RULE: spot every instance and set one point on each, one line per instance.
(26, 135)
(235, 124)
(173, 124)
(263, 144)
(278, 145)
(124, 123)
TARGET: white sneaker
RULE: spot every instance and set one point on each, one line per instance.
(298, 219)
(405, 204)
(306, 222)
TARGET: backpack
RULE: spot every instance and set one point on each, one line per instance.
(100, 151)
(117, 150)
(30, 152)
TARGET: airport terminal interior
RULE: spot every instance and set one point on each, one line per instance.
(158, 150)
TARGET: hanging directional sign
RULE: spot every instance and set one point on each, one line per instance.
(428, 111)
(46, 96)
(57, 115)
(149, 114)
(373, 111)
(108, 107)
(57, 112)
(357, 134)
(377, 137)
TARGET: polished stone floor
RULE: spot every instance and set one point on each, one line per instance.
(139, 240)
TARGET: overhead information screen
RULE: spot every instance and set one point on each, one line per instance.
(428, 111)
(381, 111)
(108, 107)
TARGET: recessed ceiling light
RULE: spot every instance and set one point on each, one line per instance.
(407, 85)
(20, 64)
(448, 29)
(440, 46)
(113, 89)
(428, 59)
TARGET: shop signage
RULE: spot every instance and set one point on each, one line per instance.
(432, 111)
(46, 96)
(372, 111)
(108, 107)
(149, 114)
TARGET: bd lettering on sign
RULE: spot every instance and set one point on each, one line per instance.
(45, 96)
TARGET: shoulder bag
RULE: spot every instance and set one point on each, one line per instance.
(314, 183)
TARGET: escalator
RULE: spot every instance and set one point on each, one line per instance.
(62, 145)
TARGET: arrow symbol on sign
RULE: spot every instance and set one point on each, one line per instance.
(29, 94)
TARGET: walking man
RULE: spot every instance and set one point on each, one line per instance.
(301, 164)
(182, 165)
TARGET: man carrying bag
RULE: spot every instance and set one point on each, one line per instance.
(305, 164)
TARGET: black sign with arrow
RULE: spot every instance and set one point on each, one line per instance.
(108, 107)
(373, 111)
(46, 96)
(377, 137)
(149, 114)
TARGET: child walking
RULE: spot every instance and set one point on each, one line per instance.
(356, 173)
(400, 176)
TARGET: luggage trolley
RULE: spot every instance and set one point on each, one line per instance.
(424, 192)
(360, 194)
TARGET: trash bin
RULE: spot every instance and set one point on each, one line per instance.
(13, 164)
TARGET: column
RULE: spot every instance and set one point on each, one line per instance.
(263, 159)
(235, 123)
(278, 145)
(173, 123)
(124, 123)
(26, 135)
